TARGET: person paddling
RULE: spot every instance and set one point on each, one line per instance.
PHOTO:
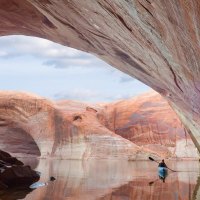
(162, 170)
(150, 158)
(162, 164)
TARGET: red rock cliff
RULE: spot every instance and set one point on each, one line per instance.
(155, 41)
(130, 129)
(148, 121)
(31, 125)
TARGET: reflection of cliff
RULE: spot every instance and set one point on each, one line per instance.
(196, 193)
(148, 121)
(114, 180)
(82, 180)
(137, 190)
(14, 193)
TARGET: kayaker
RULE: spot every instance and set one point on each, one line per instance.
(162, 164)
(162, 170)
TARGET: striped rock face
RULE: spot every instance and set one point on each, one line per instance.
(155, 41)
(149, 122)
(34, 126)
(130, 130)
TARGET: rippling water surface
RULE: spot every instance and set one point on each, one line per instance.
(111, 180)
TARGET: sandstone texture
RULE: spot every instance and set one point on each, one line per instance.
(130, 129)
(82, 136)
(34, 126)
(25, 119)
(156, 42)
(148, 121)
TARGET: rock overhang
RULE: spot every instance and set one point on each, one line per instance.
(154, 41)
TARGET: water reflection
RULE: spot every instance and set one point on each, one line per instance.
(113, 180)
(14, 193)
(196, 193)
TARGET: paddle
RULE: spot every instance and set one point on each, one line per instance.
(150, 158)
(152, 182)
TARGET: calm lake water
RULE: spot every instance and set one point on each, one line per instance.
(111, 180)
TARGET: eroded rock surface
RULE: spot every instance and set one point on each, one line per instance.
(155, 41)
(25, 119)
(148, 121)
(131, 129)
(68, 130)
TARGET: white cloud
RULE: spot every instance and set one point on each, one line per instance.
(3, 53)
(90, 95)
(50, 53)
(33, 63)
(77, 94)
(125, 78)
(38, 47)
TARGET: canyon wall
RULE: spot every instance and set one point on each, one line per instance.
(156, 42)
(131, 129)
(148, 120)
(24, 119)
(34, 126)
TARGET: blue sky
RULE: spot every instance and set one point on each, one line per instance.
(54, 71)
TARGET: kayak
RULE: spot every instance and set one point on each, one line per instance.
(37, 185)
(162, 172)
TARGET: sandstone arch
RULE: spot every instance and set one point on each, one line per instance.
(24, 124)
(155, 41)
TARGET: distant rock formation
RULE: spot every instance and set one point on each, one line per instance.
(25, 119)
(131, 129)
(89, 138)
(156, 42)
(148, 121)
(31, 125)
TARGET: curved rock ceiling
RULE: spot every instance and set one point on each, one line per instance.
(155, 41)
